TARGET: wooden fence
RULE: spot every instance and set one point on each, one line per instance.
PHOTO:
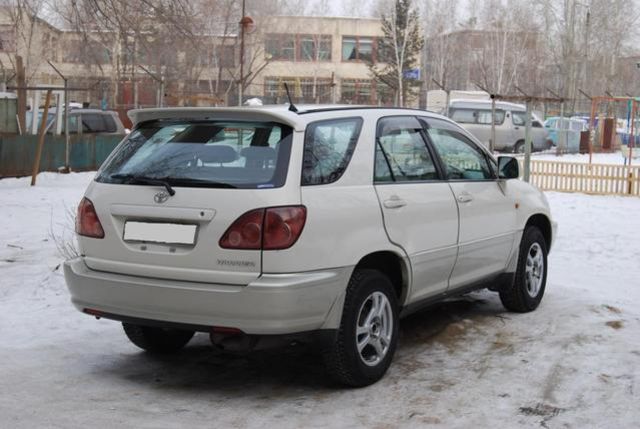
(600, 179)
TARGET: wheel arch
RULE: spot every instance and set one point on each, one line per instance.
(393, 266)
(543, 223)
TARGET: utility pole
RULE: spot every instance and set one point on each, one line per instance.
(66, 168)
(241, 80)
(586, 45)
(527, 144)
(492, 143)
(22, 95)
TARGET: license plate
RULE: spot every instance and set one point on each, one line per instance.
(168, 233)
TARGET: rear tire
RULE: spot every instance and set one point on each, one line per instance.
(518, 147)
(157, 340)
(367, 337)
(527, 289)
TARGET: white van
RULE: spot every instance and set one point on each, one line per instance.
(475, 117)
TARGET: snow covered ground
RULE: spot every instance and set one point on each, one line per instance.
(467, 363)
(614, 158)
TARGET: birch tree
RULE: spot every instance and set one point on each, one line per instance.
(399, 51)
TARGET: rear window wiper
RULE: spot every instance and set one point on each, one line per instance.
(167, 181)
(133, 178)
(203, 183)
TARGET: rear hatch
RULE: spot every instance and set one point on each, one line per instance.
(169, 192)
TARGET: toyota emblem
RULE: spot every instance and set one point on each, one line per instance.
(161, 197)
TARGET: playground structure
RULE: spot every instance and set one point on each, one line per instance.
(631, 125)
(576, 177)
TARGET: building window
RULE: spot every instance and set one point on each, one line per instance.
(356, 48)
(226, 56)
(365, 91)
(307, 48)
(90, 53)
(219, 56)
(314, 47)
(7, 39)
(385, 95)
(302, 89)
(357, 91)
(298, 47)
(281, 47)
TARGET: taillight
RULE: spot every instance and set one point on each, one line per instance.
(282, 227)
(245, 232)
(87, 222)
(275, 228)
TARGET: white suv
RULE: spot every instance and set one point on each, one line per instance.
(330, 224)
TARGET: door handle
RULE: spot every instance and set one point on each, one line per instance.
(465, 198)
(394, 203)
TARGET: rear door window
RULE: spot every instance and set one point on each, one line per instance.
(401, 152)
(328, 147)
(92, 123)
(203, 154)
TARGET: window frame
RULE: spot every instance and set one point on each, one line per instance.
(476, 115)
(358, 59)
(521, 115)
(426, 123)
(348, 153)
(280, 41)
(440, 177)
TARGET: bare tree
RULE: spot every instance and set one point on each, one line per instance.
(441, 49)
(507, 57)
(133, 33)
(400, 50)
(26, 21)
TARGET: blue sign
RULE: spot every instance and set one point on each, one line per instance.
(412, 74)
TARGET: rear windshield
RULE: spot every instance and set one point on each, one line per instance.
(203, 154)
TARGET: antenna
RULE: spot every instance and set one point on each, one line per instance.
(292, 107)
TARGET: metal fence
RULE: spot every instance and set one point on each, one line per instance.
(87, 152)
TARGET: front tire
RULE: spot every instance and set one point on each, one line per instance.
(157, 340)
(368, 333)
(530, 281)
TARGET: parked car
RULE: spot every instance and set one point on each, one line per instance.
(510, 124)
(572, 127)
(324, 225)
(84, 121)
(94, 121)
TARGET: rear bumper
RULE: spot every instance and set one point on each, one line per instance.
(272, 304)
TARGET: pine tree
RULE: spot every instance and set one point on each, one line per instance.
(400, 51)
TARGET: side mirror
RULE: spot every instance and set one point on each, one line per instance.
(508, 167)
